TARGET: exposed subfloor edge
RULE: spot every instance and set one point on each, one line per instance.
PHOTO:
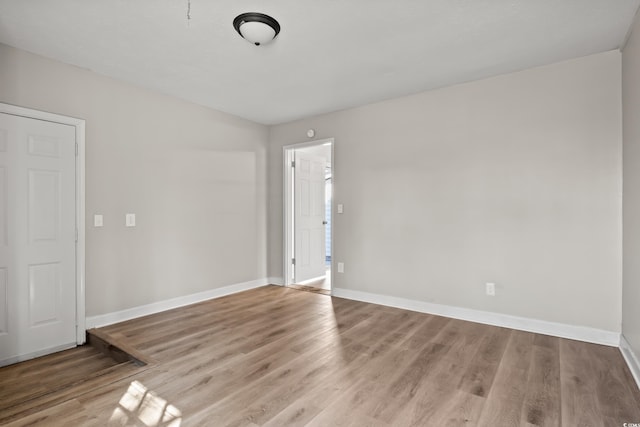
(117, 349)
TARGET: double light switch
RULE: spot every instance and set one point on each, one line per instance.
(129, 220)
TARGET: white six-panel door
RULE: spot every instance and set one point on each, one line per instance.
(309, 217)
(37, 237)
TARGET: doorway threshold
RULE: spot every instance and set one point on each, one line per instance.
(313, 289)
(44, 382)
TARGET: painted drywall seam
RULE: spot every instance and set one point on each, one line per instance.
(160, 306)
(581, 333)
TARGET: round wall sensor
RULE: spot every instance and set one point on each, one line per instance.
(311, 133)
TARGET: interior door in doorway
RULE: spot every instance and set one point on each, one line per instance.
(37, 237)
(309, 216)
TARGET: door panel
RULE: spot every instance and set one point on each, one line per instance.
(44, 209)
(44, 289)
(309, 218)
(4, 303)
(37, 237)
(3, 202)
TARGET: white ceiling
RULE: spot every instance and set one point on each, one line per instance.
(330, 54)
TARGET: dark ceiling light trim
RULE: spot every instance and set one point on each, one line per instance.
(258, 34)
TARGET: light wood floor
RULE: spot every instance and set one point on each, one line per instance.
(323, 282)
(276, 356)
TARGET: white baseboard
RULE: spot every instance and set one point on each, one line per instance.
(581, 333)
(29, 356)
(631, 359)
(561, 330)
(156, 307)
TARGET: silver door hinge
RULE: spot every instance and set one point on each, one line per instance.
(77, 149)
(293, 261)
(76, 234)
(293, 163)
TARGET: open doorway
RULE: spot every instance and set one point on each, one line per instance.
(308, 188)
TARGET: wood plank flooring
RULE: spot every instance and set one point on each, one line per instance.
(42, 383)
(310, 288)
(277, 356)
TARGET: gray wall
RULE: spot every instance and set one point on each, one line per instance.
(514, 180)
(194, 177)
(631, 177)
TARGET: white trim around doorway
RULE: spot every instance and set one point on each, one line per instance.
(287, 206)
(79, 125)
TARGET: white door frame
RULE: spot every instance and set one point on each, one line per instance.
(79, 124)
(287, 206)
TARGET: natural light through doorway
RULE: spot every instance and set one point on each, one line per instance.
(308, 207)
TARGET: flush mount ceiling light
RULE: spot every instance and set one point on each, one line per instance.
(257, 28)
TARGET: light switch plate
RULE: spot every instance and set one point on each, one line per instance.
(340, 208)
(130, 220)
(98, 220)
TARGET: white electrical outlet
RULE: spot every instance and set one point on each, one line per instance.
(130, 220)
(491, 289)
(341, 267)
(98, 220)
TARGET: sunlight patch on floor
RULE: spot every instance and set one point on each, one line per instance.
(142, 407)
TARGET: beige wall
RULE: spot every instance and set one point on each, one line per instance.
(194, 177)
(631, 178)
(514, 180)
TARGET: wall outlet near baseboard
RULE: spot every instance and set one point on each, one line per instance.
(491, 289)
